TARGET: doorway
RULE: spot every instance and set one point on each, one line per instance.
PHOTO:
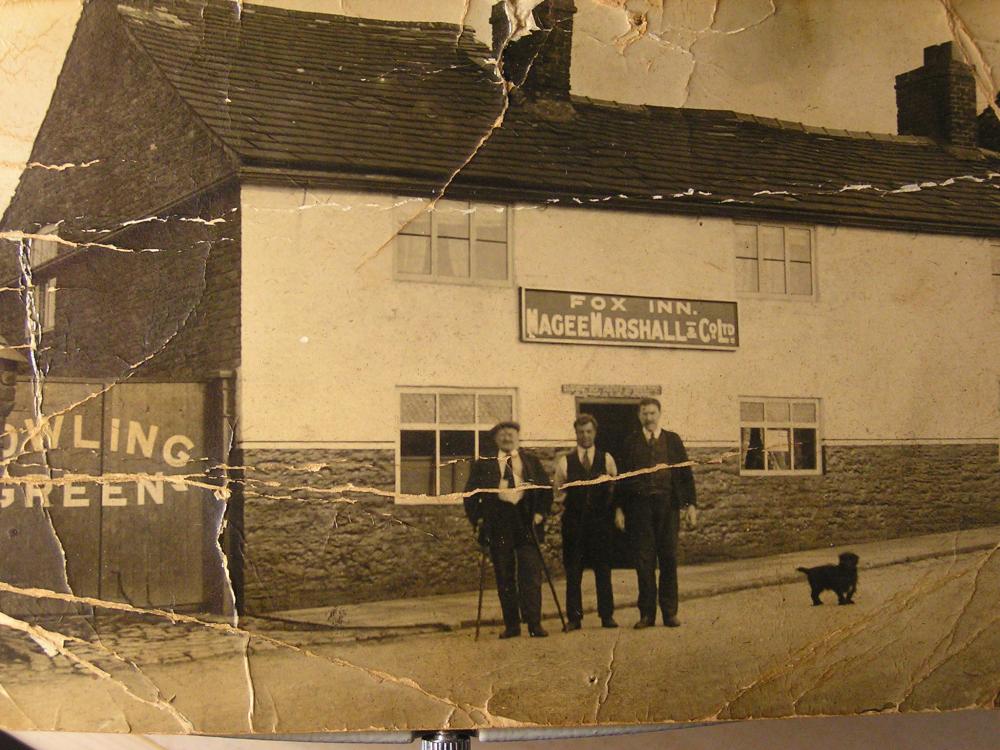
(617, 419)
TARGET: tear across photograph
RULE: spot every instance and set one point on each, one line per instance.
(383, 366)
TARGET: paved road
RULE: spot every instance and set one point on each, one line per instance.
(923, 635)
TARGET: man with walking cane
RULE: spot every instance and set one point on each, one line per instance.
(507, 500)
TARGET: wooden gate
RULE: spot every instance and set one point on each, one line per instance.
(111, 494)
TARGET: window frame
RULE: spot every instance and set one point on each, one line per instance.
(437, 427)
(472, 280)
(51, 246)
(813, 255)
(790, 425)
(44, 300)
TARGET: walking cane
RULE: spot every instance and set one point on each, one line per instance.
(548, 577)
(482, 583)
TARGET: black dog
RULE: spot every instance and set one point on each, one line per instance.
(842, 579)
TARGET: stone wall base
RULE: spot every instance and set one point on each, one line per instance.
(308, 546)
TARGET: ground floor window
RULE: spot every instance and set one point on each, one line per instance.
(442, 431)
(779, 436)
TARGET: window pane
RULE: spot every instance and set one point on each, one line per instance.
(452, 219)
(752, 448)
(805, 449)
(416, 462)
(800, 278)
(413, 254)
(452, 257)
(772, 243)
(457, 408)
(457, 444)
(746, 241)
(418, 224)
(804, 412)
(772, 277)
(776, 446)
(416, 408)
(42, 251)
(746, 275)
(487, 447)
(495, 408)
(38, 301)
(776, 411)
(491, 260)
(491, 222)
(799, 242)
(751, 411)
(49, 308)
(458, 448)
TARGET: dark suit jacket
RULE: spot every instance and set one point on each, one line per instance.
(677, 483)
(498, 521)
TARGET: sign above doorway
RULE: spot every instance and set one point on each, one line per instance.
(612, 391)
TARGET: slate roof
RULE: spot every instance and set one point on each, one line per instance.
(411, 107)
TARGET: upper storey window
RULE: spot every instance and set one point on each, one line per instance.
(456, 242)
(44, 247)
(774, 260)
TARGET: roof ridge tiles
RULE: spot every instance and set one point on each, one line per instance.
(334, 114)
(826, 130)
(256, 8)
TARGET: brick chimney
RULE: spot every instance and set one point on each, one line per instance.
(535, 51)
(938, 100)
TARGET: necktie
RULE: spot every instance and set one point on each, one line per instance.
(586, 462)
(508, 471)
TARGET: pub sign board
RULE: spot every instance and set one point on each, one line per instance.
(550, 316)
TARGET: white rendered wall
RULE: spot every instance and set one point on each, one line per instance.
(901, 341)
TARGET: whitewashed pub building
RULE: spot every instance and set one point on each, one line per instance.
(818, 310)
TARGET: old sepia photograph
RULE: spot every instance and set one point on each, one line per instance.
(387, 366)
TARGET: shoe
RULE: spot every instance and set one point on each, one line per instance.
(644, 622)
(608, 622)
(510, 633)
(537, 631)
(573, 625)
(672, 622)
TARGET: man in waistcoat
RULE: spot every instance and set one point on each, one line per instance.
(504, 517)
(586, 521)
(651, 511)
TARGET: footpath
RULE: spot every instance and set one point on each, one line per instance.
(447, 612)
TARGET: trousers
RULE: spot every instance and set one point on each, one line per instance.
(653, 524)
(518, 570)
(574, 595)
(587, 542)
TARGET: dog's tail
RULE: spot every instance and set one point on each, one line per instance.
(803, 570)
